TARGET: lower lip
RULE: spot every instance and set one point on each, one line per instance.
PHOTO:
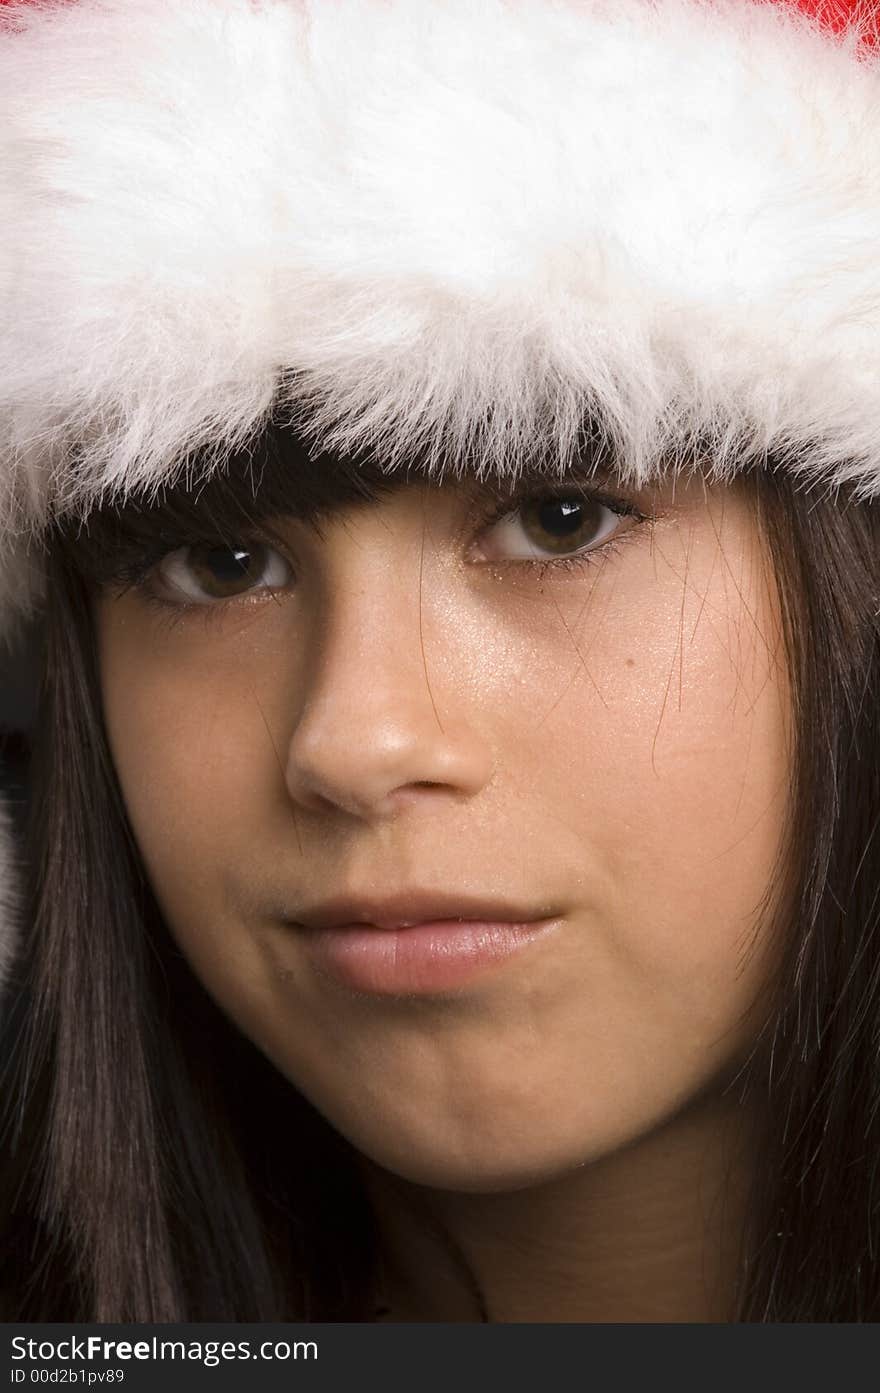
(425, 958)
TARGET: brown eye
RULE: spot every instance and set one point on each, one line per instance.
(206, 572)
(545, 527)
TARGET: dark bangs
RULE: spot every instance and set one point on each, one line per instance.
(276, 477)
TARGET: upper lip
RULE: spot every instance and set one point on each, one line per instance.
(402, 911)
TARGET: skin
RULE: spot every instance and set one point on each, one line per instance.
(612, 742)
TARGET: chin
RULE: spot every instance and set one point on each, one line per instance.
(484, 1166)
(482, 1154)
(492, 1176)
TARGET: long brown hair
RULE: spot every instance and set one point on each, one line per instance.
(815, 1217)
(156, 1167)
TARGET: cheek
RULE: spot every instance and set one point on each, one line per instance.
(194, 762)
(676, 722)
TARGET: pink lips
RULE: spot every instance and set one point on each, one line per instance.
(416, 943)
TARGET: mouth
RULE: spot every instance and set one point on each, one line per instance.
(417, 944)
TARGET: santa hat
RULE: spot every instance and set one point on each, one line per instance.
(453, 227)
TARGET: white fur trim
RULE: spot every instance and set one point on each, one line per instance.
(420, 218)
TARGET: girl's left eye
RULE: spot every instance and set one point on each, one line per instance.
(545, 528)
(204, 573)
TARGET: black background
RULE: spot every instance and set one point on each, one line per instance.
(18, 682)
(19, 675)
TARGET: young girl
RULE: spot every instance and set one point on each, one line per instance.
(441, 441)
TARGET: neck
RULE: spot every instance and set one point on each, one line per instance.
(651, 1233)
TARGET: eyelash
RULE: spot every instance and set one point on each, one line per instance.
(136, 574)
(510, 506)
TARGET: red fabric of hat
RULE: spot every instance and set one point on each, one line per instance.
(838, 15)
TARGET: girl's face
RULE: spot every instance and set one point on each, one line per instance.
(413, 702)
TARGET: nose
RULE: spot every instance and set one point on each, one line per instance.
(375, 731)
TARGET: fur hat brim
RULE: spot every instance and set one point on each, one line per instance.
(460, 229)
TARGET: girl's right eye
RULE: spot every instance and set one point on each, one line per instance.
(205, 573)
